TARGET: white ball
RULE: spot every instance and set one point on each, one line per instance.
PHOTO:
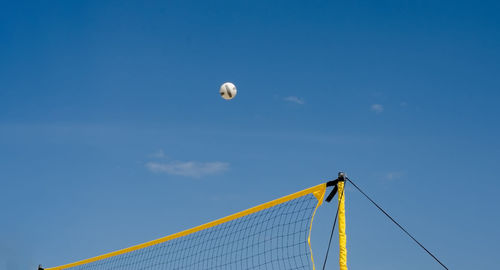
(227, 91)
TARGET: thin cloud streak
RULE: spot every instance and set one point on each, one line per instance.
(294, 99)
(158, 154)
(377, 108)
(188, 168)
(393, 175)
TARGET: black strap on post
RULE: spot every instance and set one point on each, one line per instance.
(334, 184)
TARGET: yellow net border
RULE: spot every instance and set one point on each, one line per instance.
(318, 191)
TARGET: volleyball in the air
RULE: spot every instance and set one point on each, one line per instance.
(227, 91)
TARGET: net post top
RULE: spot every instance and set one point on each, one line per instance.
(334, 183)
(341, 178)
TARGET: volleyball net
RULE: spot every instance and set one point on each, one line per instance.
(274, 235)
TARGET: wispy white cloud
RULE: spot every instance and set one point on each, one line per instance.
(377, 108)
(393, 175)
(294, 99)
(158, 154)
(188, 168)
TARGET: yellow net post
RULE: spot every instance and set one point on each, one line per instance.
(338, 188)
(342, 235)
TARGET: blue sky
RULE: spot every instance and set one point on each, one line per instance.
(112, 131)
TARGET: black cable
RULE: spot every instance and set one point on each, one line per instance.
(395, 222)
(333, 228)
